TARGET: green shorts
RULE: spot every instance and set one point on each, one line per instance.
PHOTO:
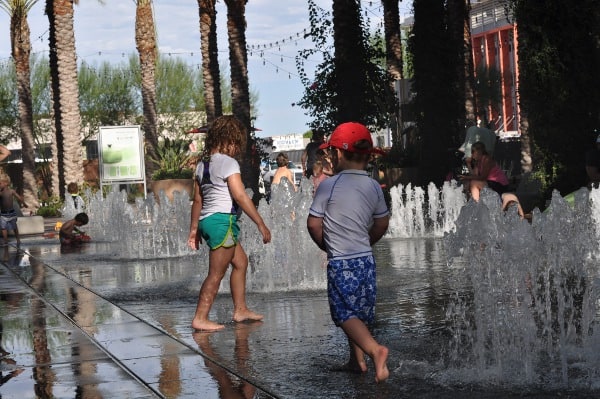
(219, 230)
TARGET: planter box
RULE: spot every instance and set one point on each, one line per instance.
(169, 186)
(30, 225)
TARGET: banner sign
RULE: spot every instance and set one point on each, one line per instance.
(121, 153)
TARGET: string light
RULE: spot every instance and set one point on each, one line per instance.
(252, 48)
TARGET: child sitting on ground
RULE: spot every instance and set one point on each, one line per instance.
(69, 232)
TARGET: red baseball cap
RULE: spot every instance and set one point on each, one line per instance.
(346, 135)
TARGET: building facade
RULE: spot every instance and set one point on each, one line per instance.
(495, 59)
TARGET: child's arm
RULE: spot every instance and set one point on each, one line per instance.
(18, 197)
(4, 153)
(238, 193)
(378, 229)
(193, 240)
(315, 230)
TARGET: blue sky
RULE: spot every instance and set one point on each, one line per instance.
(106, 32)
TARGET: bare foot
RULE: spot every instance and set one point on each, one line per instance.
(246, 314)
(380, 360)
(206, 325)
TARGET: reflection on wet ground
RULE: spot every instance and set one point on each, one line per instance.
(84, 324)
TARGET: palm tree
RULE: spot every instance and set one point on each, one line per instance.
(145, 41)
(65, 93)
(21, 49)
(393, 51)
(349, 61)
(210, 62)
(459, 26)
(240, 92)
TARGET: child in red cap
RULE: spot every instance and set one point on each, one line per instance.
(348, 215)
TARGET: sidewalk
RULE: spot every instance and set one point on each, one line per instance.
(54, 344)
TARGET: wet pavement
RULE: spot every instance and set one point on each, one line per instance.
(85, 324)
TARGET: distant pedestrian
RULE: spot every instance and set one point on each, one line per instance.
(318, 175)
(218, 193)
(283, 170)
(73, 190)
(348, 215)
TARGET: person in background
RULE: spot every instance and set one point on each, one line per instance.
(73, 190)
(483, 171)
(310, 154)
(477, 133)
(218, 194)
(318, 175)
(8, 213)
(347, 216)
(283, 170)
(592, 164)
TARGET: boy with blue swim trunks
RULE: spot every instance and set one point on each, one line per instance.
(348, 215)
(218, 195)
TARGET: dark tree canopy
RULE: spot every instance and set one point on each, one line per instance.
(559, 85)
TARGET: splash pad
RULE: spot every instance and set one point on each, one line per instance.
(529, 318)
(522, 307)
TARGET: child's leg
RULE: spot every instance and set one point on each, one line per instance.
(5, 236)
(358, 332)
(476, 187)
(237, 282)
(357, 358)
(218, 262)
(16, 231)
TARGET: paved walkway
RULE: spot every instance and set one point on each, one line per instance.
(54, 345)
(84, 324)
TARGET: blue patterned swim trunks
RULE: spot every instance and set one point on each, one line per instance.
(351, 289)
(219, 230)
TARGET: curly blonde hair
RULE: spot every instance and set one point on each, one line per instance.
(225, 130)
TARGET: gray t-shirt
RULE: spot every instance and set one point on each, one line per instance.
(348, 202)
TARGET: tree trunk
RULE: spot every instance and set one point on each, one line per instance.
(21, 50)
(66, 92)
(240, 92)
(57, 167)
(145, 41)
(211, 73)
(393, 51)
(460, 35)
(349, 61)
